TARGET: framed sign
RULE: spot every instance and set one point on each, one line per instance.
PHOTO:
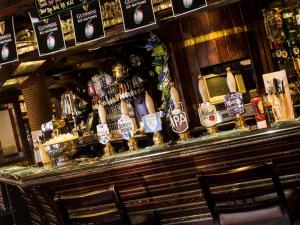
(181, 7)
(103, 133)
(87, 23)
(207, 114)
(49, 35)
(46, 8)
(126, 127)
(234, 103)
(137, 14)
(8, 45)
(179, 122)
(152, 122)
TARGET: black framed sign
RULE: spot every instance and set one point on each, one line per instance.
(49, 35)
(48, 8)
(8, 45)
(137, 14)
(181, 7)
(87, 22)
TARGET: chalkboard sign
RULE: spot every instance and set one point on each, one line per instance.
(87, 22)
(49, 35)
(137, 14)
(180, 7)
(48, 8)
(8, 47)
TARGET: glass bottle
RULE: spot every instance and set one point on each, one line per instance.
(290, 26)
(258, 107)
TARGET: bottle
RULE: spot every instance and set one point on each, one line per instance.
(258, 107)
(268, 109)
(290, 26)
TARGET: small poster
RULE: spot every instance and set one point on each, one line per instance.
(48, 8)
(87, 23)
(207, 114)
(152, 122)
(49, 35)
(8, 46)
(126, 127)
(137, 14)
(279, 95)
(179, 122)
(103, 133)
(181, 7)
(234, 103)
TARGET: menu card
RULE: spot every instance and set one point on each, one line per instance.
(87, 23)
(48, 8)
(8, 46)
(137, 14)
(181, 7)
(49, 35)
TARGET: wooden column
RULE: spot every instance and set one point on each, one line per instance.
(37, 100)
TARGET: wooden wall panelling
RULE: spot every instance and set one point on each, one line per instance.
(258, 42)
(216, 23)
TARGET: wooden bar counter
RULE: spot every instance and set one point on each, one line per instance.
(160, 179)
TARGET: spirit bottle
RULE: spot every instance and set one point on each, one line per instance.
(258, 107)
(290, 26)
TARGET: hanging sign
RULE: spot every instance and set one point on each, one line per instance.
(126, 127)
(152, 122)
(47, 8)
(8, 46)
(207, 114)
(137, 14)
(49, 35)
(87, 23)
(103, 133)
(234, 103)
(181, 7)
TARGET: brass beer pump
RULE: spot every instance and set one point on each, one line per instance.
(108, 149)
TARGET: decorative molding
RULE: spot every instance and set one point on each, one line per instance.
(213, 36)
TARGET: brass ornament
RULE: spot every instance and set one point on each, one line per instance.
(240, 122)
(158, 138)
(2, 27)
(184, 136)
(132, 144)
(212, 130)
(108, 150)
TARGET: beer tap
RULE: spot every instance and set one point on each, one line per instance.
(207, 111)
(132, 143)
(175, 96)
(157, 137)
(108, 149)
(240, 122)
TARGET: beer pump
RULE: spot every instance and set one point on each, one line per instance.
(103, 131)
(207, 111)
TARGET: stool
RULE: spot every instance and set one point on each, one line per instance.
(6, 218)
(101, 207)
(248, 195)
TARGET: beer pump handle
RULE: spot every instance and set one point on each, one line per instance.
(231, 80)
(102, 113)
(149, 103)
(124, 108)
(175, 96)
(202, 89)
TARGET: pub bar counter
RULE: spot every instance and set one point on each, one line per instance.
(126, 110)
(163, 180)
